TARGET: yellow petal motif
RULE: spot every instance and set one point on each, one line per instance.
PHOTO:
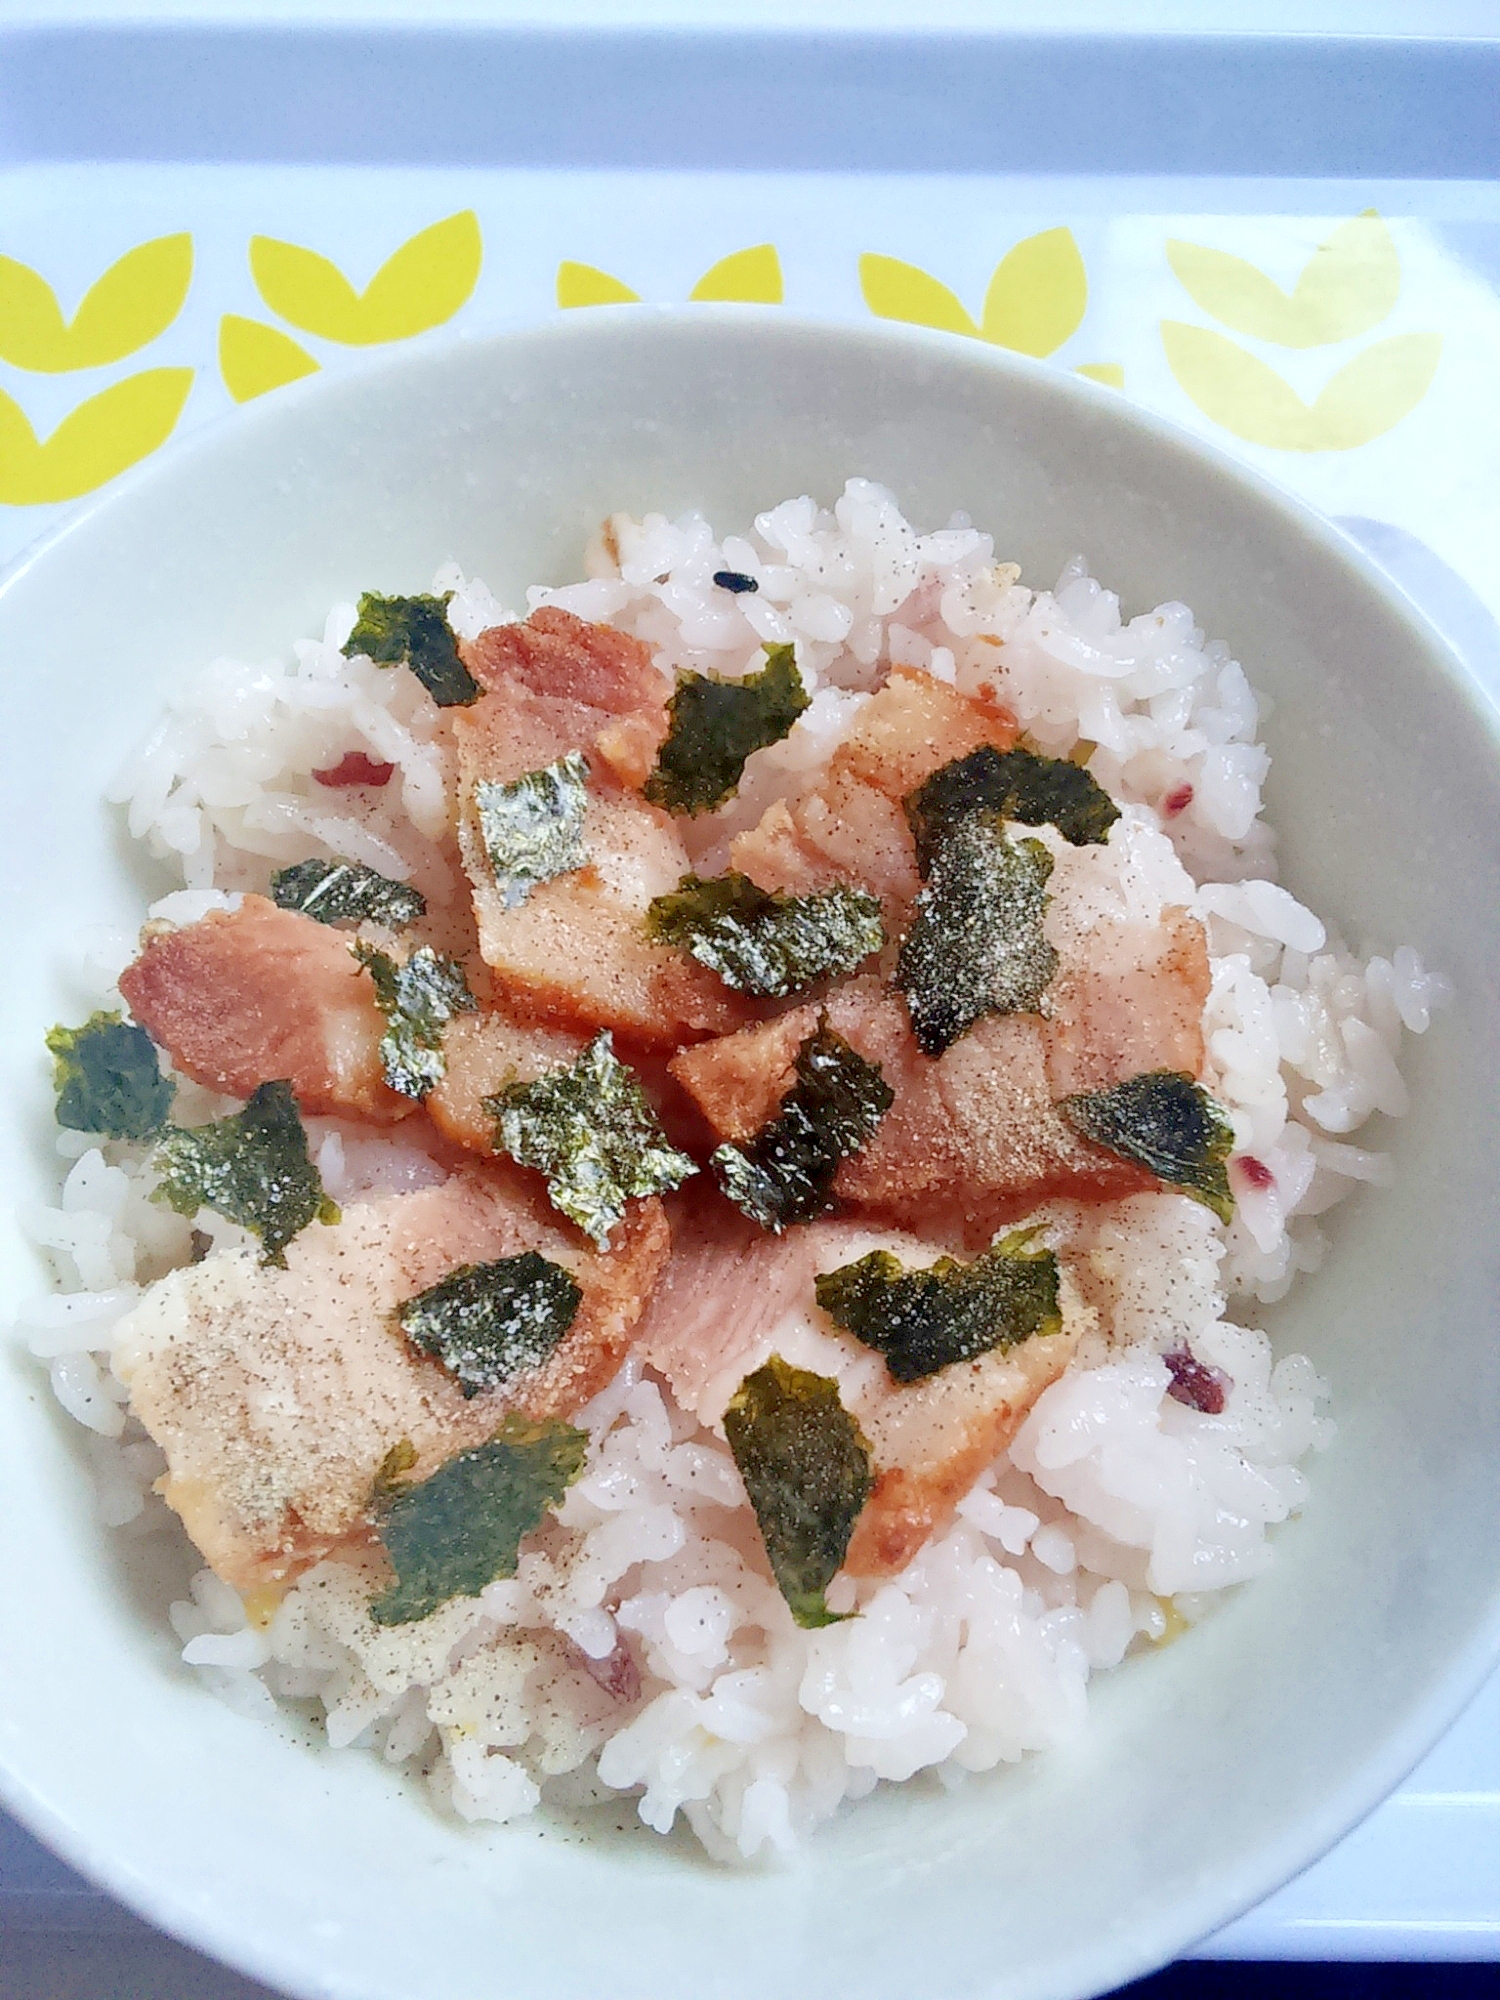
(419, 286)
(254, 357)
(1110, 373)
(1349, 284)
(894, 290)
(585, 285)
(751, 277)
(1037, 295)
(94, 442)
(1364, 399)
(748, 277)
(137, 298)
(1376, 390)
(1035, 300)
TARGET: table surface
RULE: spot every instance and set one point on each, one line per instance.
(674, 200)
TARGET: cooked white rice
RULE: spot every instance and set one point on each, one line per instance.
(642, 1648)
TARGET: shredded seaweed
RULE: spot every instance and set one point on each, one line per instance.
(414, 632)
(716, 724)
(785, 1173)
(532, 828)
(1017, 785)
(450, 1535)
(418, 997)
(735, 580)
(345, 892)
(591, 1131)
(806, 1467)
(108, 1079)
(1166, 1123)
(763, 943)
(253, 1167)
(976, 944)
(488, 1323)
(925, 1320)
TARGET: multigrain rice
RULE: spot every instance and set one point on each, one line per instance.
(642, 1647)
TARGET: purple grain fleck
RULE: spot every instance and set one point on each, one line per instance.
(617, 1673)
(1195, 1383)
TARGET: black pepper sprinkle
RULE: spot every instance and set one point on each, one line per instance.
(735, 580)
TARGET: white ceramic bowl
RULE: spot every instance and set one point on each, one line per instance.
(1210, 1772)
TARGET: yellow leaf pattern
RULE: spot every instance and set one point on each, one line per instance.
(254, 357)
(1034, 304)
(747, 277)
(93, 443)
(584, 285)
(137, 298)
(1376, 390)
(895, 290)
(1363, 400)
(1348, 285)
(752, 277)
(417, 287)
(1036, 297)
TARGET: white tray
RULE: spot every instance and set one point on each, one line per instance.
(939, 152)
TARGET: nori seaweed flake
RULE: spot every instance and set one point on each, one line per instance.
(488, 1323)
(735, 580)
(390, 1474)
(419, 997)
(976, 944)
(346, 892)
(532, 828)
(453, 1533)
(253, 1167)
(764, 943)
(925, 1320)
(785, 1173)
(806, 1467)
(108, 1079)
(716, 724)
(1016, 784)
(591, 1131)
(1166, 1123)
(414, 632)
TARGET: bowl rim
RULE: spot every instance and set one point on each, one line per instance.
(1192, 1917)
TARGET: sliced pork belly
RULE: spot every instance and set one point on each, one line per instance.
(1132, 975)
(972, 1140)
(843, 832)
(1137, 1009)
(486, 1051)
(914, 726)
(974, 1137)
(483, 1053)
(600, 688)
(276, 1394)
(851, 827)
(259, 995)
(575, 950)
(733, 1296)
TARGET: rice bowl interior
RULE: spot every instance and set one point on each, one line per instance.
(1348, 856)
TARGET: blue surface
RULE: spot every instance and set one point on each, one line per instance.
(940, 103)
